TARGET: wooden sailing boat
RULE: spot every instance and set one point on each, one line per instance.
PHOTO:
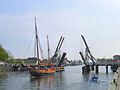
(41, 68)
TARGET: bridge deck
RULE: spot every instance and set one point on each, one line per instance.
(105, 63)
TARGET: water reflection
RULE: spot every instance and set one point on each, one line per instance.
(47, 82)
(40, 81)
(86, 77)
(70, 79)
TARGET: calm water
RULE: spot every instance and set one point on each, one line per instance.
(70, 79)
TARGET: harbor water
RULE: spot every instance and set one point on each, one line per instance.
(70, 79)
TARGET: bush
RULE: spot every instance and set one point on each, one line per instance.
(3, 54)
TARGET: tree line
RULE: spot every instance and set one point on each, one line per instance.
(5, 56)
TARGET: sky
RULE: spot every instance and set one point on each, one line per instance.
(97, 20)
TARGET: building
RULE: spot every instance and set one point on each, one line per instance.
(31, 60)
(116, 58)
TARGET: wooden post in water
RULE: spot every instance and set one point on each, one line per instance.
(106, 69)
(97, 69)
(92, 67)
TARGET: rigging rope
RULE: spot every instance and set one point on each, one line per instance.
(29, 44)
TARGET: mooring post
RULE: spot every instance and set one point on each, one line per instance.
(92, 67)
(97, 69)
(106, 69)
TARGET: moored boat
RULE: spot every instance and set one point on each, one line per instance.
(40, 68)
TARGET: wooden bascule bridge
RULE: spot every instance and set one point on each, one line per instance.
(94, 64)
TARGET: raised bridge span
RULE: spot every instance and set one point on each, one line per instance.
(87, 56)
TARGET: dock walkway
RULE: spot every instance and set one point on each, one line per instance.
(118, 80)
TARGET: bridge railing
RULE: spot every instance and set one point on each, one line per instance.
(104, 63)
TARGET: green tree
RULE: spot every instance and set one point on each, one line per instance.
(12, 61)
(3, 54)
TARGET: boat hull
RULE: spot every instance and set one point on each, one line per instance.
(34, 72)
(59, 69)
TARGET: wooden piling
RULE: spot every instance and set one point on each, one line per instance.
(106, 69)
(97, 69)
(92, 67)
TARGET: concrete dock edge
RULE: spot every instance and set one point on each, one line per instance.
(115, 84)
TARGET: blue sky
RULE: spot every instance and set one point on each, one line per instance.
(97, 20)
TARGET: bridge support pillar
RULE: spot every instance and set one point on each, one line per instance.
(86, 69)
(92, 67)
(97, 69)
(106, 69)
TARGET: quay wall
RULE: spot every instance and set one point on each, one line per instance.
(114, 85)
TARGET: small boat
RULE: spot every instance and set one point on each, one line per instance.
(94, 78)
(40, 68)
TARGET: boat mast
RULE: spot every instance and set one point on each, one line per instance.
(48, 49)
(36, 37)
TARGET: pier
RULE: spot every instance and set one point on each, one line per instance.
(115, 83)
(88, 68)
